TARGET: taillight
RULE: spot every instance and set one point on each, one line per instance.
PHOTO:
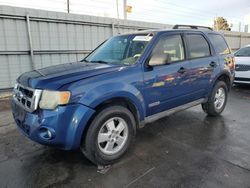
(232, 63)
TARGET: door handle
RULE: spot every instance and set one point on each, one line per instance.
(213, 64)
(182, 70)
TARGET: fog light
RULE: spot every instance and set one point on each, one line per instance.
(46, 133)
(49, 134)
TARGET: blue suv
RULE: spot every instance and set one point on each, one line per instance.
(97, 104)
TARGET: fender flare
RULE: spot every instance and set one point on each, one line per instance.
(106, 92)
(224, 72)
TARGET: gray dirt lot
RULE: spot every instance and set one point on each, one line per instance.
(187, 149)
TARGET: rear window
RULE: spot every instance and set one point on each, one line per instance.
(219, 44)
(197, 46)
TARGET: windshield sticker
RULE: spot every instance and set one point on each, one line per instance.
(142, 38)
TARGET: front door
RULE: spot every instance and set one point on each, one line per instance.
(165, 74)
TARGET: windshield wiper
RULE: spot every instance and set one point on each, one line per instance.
(100, 61)
(85, 60)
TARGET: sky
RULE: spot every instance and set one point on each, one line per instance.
(198, 12)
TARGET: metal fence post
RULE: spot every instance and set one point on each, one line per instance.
(113, 28)
(240, 40)
(30, 42)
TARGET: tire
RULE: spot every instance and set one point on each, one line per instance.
(215, 106)
(105, 143)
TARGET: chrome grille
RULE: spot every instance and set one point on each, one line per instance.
(240, 67)
(26, 97)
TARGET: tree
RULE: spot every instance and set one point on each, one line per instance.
(220, 23)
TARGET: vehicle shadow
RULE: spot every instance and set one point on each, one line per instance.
(242, 86)
(243, 90)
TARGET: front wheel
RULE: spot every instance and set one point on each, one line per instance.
(217, 100)
(109, 135)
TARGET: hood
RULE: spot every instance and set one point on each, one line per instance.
(54, 77)
(242, 60)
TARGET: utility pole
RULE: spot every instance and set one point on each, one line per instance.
(68, 6)
(215, 24)
(118, 17)
(117, 9)
(125, 9)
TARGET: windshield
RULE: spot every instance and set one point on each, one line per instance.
(243, 52)
(120, 50)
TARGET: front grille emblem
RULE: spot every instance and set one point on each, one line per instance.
(19, 95)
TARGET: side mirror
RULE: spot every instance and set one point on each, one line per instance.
(159, 59)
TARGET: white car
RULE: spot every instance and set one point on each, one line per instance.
(242, 65)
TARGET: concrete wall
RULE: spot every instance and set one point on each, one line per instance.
(31, 39)
(237, 40)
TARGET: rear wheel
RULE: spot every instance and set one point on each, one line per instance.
(109, 135)
(217, 100)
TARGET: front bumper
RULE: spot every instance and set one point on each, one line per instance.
(66, 124)
(242, 77)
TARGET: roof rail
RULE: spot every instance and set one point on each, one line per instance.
(192, 27)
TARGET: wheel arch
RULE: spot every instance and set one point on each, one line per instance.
(224, 76)
(121, 101)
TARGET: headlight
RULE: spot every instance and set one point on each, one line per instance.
(51, 99)
(15, 86)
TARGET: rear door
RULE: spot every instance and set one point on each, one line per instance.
(223, 52)
(203, 63)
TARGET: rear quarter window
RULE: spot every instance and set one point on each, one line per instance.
(219, 44)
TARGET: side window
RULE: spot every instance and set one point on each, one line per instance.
(169, 49)
(219, 44)
(197, 46)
